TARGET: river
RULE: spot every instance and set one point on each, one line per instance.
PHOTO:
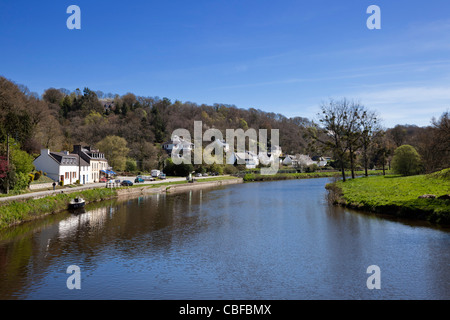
(256, 241)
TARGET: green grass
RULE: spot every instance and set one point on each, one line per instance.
(397, 195)
(42, 179)
(16, 212)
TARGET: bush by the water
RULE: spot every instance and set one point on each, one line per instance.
(406, 161)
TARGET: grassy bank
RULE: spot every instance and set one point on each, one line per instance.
(305, 175)
(397, 195)
(16, 212)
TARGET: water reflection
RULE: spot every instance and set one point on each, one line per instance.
(278, 240)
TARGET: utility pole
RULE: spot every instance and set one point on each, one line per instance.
(79, 168)
(7, 163)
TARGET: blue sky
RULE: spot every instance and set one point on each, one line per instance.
(279, 56)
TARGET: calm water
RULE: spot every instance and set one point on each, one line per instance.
(274, 240)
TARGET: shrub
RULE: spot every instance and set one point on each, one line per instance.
(406, 161)
(230, 169)
(37, 175)
(130, 165)
(22, 181)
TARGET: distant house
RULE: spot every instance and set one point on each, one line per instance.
(322, 162)
(63, 167)
(248, 158)
(177, 144)
(97, 162)
(299, 160)
(268, 157)
(290, 160)
(221, 144)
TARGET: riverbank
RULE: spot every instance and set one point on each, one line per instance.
(19, 211)
(423, 197)
(254, 177)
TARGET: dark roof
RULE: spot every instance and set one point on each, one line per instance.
(68, 159)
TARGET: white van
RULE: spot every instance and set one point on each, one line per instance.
(156, 173)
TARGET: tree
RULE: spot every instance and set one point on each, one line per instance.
(441, 132)
(369, 131)
(115, 150)
(130, 165)
(406, 161)
(352, 129)
(398, 135)
(22, 161)
(334, 131)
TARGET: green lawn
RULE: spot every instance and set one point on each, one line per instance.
(398, 195)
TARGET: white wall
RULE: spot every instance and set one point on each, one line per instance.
(46, 164)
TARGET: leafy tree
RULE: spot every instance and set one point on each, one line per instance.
(130, 165)
(115, 150)
(22, 161)
(181, 170)
(406, 161)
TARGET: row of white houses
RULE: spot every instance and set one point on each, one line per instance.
(301, 160)
(84, 165)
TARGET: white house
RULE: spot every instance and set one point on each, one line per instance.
(98, 164)
(299, 160)
(222, 144)
(290, 160)
(248, 158)
(177, 144)
(322, 162)
(63, 167)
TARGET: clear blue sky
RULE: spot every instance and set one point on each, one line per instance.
(278, 56)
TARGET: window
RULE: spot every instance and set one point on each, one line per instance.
(66, 176)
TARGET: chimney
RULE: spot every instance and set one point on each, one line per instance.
(76, 149)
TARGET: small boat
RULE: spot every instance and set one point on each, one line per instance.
(77, 203)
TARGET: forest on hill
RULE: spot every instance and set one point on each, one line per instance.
(57, 119)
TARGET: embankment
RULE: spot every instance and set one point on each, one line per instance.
(423, 197)
(175, 187)
(19, 211)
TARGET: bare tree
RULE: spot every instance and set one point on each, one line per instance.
(332, 135)
(369, 130)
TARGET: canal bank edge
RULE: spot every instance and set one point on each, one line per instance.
(20, 211)
(433, 210)
(171, 188)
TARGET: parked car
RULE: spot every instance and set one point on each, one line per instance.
(162, 176)
(138, 180)
(205, 174)
(198, 174)
(126, 183)
(103, 179)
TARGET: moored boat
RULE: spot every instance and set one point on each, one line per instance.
(77, 203)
